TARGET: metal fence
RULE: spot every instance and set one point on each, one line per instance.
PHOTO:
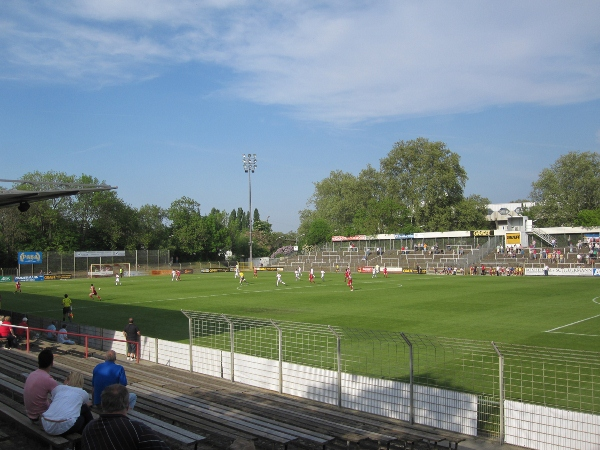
(493, 373)
(62, 263)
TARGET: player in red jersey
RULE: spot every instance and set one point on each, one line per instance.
(311, 278)
(350, 281)
(255, 272)
(384, 272)
(18, 287)
(178, 275)
(93, 292)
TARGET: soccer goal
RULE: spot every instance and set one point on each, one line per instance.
(109, 270)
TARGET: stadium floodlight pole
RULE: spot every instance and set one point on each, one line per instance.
(249, 167)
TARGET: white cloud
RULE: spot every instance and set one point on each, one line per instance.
(340, 62)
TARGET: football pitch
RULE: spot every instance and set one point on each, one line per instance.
(559, 312)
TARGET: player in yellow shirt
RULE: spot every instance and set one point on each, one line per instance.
(67, 308)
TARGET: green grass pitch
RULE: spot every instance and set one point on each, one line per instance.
(560, 312)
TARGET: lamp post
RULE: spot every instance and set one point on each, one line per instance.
(249, 167)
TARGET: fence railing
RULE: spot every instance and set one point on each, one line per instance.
(420, 367)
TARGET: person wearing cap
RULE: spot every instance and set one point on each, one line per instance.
(22, 332)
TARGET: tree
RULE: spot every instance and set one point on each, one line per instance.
(426, 177)
(153, 232)
(187, 227)
(570, 185)
(318, 232)
(588, 218)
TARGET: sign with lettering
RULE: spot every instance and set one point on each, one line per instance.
(99, 254)
(482, 233)
(30, 257)
(513, 238)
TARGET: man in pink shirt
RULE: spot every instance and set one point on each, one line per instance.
(38, 386)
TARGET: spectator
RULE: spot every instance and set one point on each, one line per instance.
(108, 373)
(132, 334)
(7, 332)
(22, 332)
(62, 337)
(69, 411)
(113, 426)
(51, 334)
(38, 386)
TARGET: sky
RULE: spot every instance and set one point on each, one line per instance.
(162, 98)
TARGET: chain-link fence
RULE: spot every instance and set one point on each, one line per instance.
(436, 381)
(141, 262)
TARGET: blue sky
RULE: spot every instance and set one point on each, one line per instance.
(162, 98)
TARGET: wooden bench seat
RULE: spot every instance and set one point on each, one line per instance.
(179, 434)
(259, 426)
(14, 412)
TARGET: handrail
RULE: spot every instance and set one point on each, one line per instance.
(86, 338)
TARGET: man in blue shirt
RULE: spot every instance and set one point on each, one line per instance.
(108, 373)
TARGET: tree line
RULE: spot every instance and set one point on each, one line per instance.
(103, 221)
(419, 186)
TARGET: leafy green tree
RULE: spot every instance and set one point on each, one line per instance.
(153, 232)
(569, 186)
(187, 228)
(318, 232)
(588, 218)
(428, 178)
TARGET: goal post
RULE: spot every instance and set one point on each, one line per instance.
(109, 270)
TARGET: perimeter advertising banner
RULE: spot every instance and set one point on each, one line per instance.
(59, 276)
(30, 278)
(29, 257)
(5, 279)
(566, 271)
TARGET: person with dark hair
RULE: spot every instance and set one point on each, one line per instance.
(106, 374)
(67, 305)
(113, 430)
(132, 334)
(38, 385)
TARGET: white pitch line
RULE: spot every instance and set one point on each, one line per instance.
(569, 324)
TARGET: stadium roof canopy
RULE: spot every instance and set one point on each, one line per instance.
(22, 198)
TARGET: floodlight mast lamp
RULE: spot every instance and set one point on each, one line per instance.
(249, 167)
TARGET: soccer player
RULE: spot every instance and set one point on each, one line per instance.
(385, 272)
(311, 277)
(322, 275)
(255, 272)
(178, 275)
(350, 281)
(237, 271)
(242, 278)
(18, 287)
(93, 293)
(374, 273)
(173, 275)
(279, 280)
(67, 305)
(117, 280)
(297, 274)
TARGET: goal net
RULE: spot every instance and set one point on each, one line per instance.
(109, 270)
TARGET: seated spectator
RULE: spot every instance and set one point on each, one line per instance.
(7, 332)
(51, 334)
(21, 333)
(114, 425)
(69, 411)
(62, 337)
(38, 385)
(106, 374)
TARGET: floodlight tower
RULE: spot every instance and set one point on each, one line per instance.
(249, 167)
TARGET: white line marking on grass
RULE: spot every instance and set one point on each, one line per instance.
(594, 300)
(576, 334)
(569, 324)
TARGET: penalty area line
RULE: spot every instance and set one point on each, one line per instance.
(569, 324)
